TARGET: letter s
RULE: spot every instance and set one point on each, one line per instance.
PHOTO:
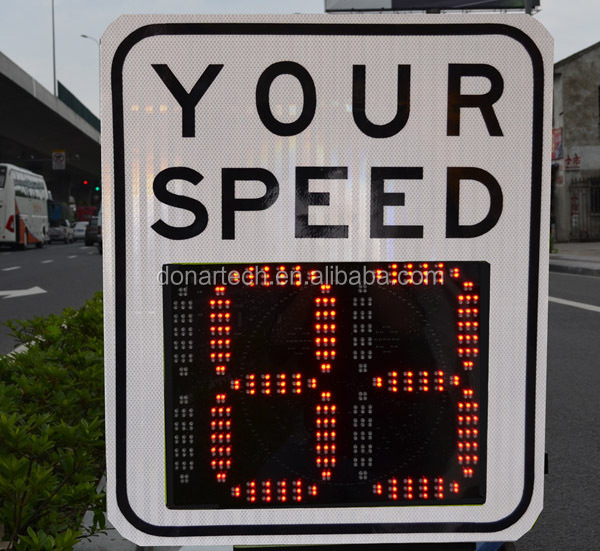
(159, 186)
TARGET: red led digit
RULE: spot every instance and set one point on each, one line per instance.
(392, 381)
(408, 488)
(424, 381)
(439, 488)
(251, 384)
(297, 490)
(282, 491)
(251, 491)
(266, 384)
(297, 383)
(439, 381)
(220, 437)
(281, 383)
(424, 488)
(393, 489)
(467, 338)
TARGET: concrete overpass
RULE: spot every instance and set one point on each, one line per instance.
(34, 123)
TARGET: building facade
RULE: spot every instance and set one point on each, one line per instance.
(576, 147)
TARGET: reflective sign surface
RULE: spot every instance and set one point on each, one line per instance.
(324, 142)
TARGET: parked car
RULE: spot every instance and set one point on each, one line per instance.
(91, 232)
(79, 229)
(61, 230)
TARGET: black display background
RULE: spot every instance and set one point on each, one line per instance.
(413, 327)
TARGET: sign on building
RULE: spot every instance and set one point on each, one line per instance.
(410, 5)
(324, 283)
(59, 160)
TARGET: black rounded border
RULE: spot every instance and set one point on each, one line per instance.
(120, 233)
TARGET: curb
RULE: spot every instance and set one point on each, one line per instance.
(573, 269)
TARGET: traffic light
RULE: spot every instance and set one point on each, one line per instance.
(85, 182)
(97, 188)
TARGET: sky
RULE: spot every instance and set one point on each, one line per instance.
(26, 36)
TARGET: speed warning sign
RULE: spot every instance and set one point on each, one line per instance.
(325, 265)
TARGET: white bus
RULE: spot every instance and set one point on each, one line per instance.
(23, 207)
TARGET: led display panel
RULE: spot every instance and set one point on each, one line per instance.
(348, 384)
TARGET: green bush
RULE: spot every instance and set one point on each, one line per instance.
(52, 431)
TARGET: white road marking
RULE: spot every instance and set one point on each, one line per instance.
(11, 268)
(91, 252)
(22, 292)
(581, 305)
(7, 252)
(73, 256)
(47, 261)
(85, 247)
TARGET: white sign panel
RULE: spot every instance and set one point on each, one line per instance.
(59, 160)
(325, 244)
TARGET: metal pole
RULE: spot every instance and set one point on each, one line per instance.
(97, 41)
(53, 52)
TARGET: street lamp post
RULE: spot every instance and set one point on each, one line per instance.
(53, 52)
(99, 81)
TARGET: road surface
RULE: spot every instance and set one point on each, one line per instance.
(569, 521)
(37, 282)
